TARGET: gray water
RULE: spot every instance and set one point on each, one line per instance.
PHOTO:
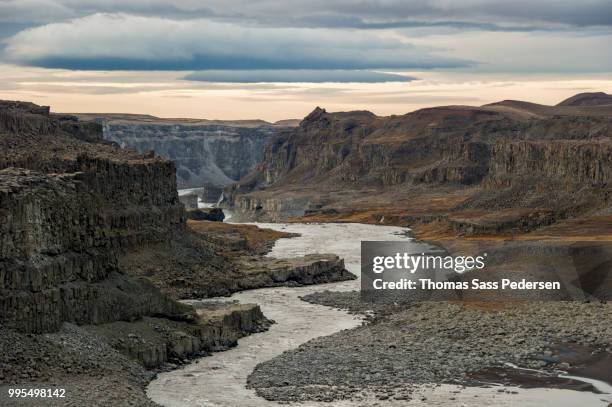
(220, 380)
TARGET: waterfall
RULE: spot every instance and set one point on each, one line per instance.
(220, 199)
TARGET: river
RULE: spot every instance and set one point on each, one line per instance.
(220, 380)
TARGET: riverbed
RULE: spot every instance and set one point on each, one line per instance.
(220, 380)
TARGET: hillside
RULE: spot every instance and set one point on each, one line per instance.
(588, 99)
(494, 149)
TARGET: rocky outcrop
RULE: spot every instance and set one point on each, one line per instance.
(251, 207)
(310, 269)
(211, 214)
(567, 162)
(154, 342)
(208, 154)
(358, 148)
(184, 276)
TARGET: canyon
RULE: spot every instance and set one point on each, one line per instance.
(208, 154)
(101, 263)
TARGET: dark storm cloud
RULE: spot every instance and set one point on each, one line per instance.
(296, 75)
(577, 13)
(496, 14)
(127, 42)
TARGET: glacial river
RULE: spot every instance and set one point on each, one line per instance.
(220, 380)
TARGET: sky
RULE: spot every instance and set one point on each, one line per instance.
(273, 60)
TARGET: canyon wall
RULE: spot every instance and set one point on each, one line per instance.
(68, 209)
(207, 154)
(529, 185)
(503, 156)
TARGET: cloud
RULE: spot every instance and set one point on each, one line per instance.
(528, 53)
(121, 41)
(28, 11)
(458, 25)
(296, 75)
(502, 12)
(46, 11)
(469, 14)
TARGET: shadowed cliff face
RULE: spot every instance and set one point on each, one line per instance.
(93, 234)
(69, 205)
(207, 154)
(203, 155)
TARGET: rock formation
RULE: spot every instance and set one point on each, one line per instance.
(68, 208)
(211, 214)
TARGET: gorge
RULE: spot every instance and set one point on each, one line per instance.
(95, 253)
(208, 154)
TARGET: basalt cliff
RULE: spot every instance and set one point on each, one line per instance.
(499, 175)
(209, 154)
(95, 251)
